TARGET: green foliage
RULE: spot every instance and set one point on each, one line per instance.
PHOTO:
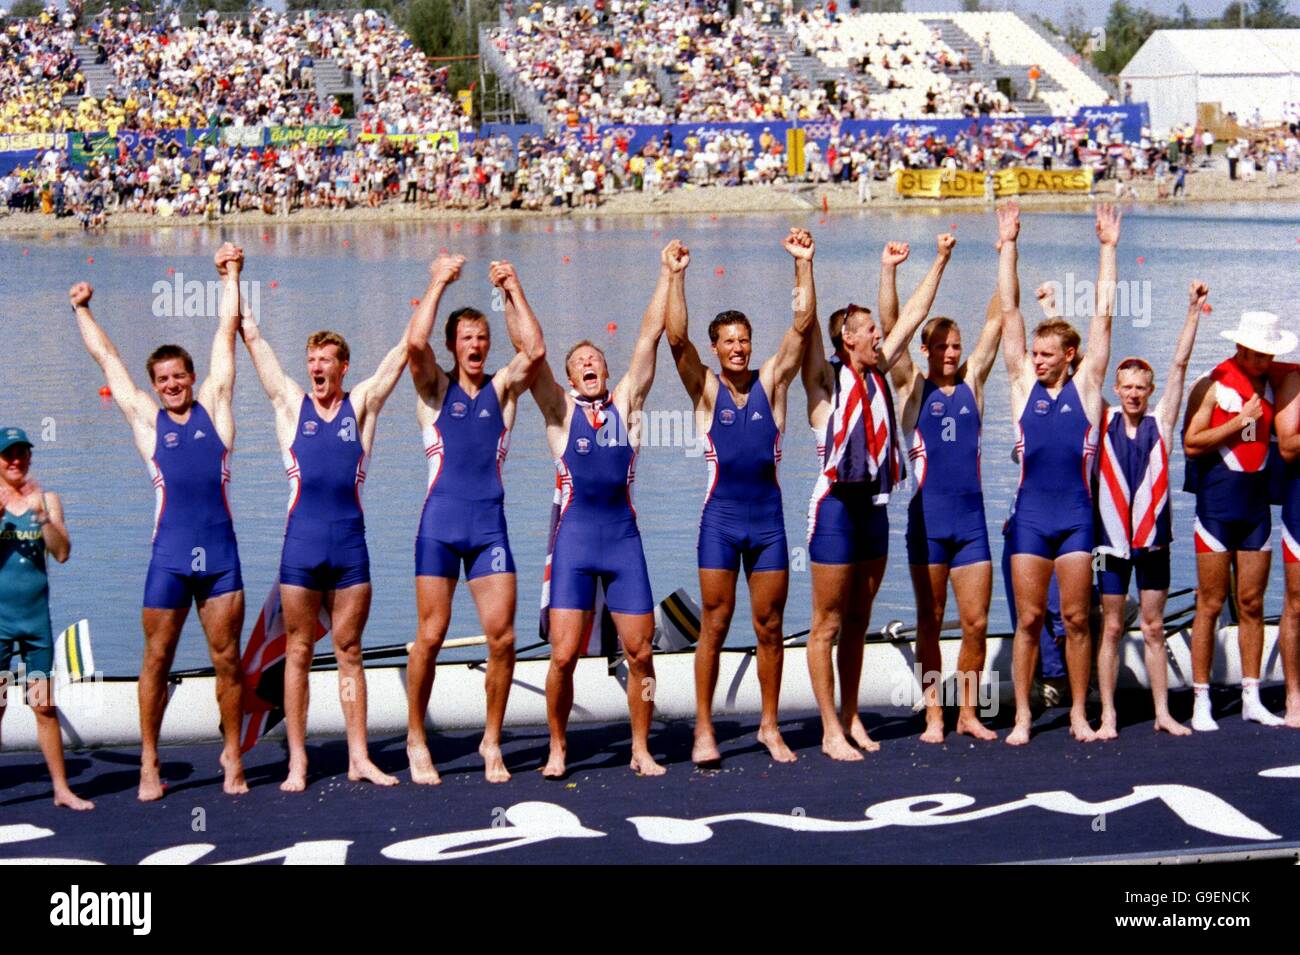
(23, 9)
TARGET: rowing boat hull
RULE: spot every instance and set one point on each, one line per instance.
(105, 713)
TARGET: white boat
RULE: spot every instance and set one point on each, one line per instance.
(104, 711)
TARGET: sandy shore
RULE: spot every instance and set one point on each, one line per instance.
(1209, 186)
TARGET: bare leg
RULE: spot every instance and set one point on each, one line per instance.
(223, 622)
(1252, 579)
(1074, 575)
(494, 595)
(972, 585)
(830, 584)
(1156, 658)
(718, 594)
(50, 738)
(349, 609)
(767, 593)
(301, 609)
(433, 596)
(162, 631)
(930, 584)
(636, 630)
(1031, 575)
(1289, 640)
(1112, 633)
(567, 627)
(1212, 575)
(866, 582)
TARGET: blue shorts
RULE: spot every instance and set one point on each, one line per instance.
(847, 528)
(456, 532)
(36, 648)
(733, 533)
(325, 555)
(166, 589)
(587, 552)
(1291, 525)
(1215, 536)
(1151, 565)
(1049, 536)
(957, 542)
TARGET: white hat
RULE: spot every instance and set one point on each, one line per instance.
(1259, 332)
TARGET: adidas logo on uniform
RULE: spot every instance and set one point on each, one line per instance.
(964, 410)
(199, 434)
(484, 413)
(1064, 408)
(758, 416)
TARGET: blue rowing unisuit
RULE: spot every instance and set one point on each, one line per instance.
(742, 520)
(945, 520)
(195, 555)
(1053, 510)
(464, 519)
(325, 537)
(598, 537)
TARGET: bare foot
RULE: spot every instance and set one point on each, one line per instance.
(151, 784)
(494, 765)
(971, 726)
(363, 770)
(423, 772)
(933, 730)
(555, 767)
(234, 784)
(837, 747)
(1171, 726)
(1081, 731)
(776, 748)
(858, 733)
(643, 764)
(1019, 736)
(705, 751)
(1107, 729)
(68, 799)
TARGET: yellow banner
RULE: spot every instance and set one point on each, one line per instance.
(452, 135)
(937, 183)
(314, 136)
(795, 162)
(24, 142)
(1017, 181)
(466, 101)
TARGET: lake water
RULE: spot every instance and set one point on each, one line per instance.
(49, 384)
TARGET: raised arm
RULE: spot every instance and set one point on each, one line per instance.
(692, 371)
(371, 394)
(219, 387)
(980, 362)
(891, 257)
(1171, 399)
(635, 385)
(918, 306)
(523, 328)
(139, 408)
(789, 355)
(1287, 420)
(429, 378)
(285, 394)
(1097, 357)
(47, 510)
(1013, 323)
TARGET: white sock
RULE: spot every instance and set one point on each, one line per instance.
(1253, 708)
(1202, 721)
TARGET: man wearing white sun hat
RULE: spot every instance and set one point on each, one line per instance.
(1226, 438)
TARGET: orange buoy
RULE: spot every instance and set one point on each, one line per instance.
(565, 260)
(266, 237)
(1141, 259)
(25, 250)
(274, 284)
(550, 228)
(952, 227)
(1207, 308)
(826, 206)
(612, 327)
(346, 243)
(719, 271)
(821, 221)
(443, 251)
(414, 302)
(90, 260)
(456, 226)
(170, 270)
(713, 217)
(105, 391)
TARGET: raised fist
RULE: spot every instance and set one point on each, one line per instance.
(80, 294)
(799, 243)
(502, 274)
(946, 243)
(1008, 222)
(1197, 293)
(895, 253)
(675, 256)
(1108, 224)
(446, 268)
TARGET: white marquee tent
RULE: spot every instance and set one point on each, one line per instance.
(1243, 70)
